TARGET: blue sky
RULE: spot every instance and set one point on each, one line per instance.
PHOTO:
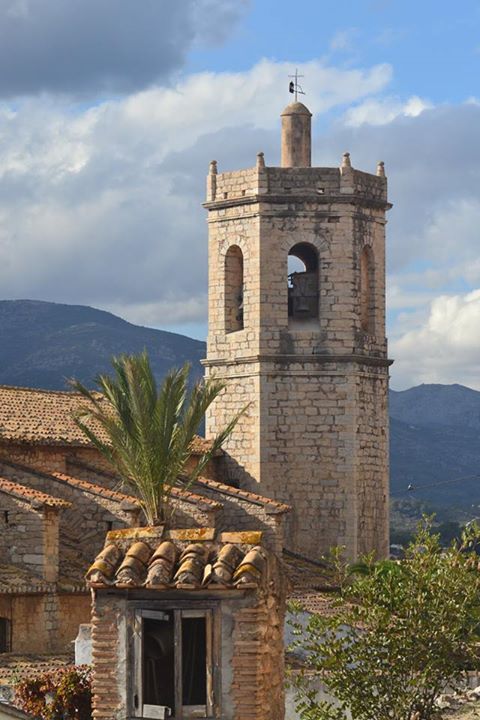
(111, 111)
(434, 47)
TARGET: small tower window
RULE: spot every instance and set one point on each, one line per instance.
(233, 289)
(367, 291)
(303, 282)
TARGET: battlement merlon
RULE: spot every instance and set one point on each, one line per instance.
(285, 184)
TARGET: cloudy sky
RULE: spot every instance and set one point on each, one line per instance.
(110, 111)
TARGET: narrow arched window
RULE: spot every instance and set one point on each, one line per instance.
(233, 289)
(367, 291)
(303, 282)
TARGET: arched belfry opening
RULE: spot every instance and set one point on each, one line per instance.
(303, 295)
(367, 291)
(233, 289)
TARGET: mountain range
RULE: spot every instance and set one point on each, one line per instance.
(434, 429)
(435, 446)
(44, 344)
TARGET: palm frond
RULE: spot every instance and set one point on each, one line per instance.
(146, 432)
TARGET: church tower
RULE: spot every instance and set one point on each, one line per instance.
(297, 329)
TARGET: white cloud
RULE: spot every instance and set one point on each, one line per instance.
(382, 111)
(445, 347)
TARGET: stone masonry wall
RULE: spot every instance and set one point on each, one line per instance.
(241, 514)
(317, 388)
(22, 534)
(372, 447)
(34, 622)
(91, 514)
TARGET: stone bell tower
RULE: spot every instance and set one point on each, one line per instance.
(304, 346)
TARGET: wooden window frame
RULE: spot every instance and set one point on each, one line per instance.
(182, 712)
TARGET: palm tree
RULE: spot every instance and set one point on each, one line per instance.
(146, 432)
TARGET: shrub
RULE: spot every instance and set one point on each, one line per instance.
(63, 694)
(400, 632)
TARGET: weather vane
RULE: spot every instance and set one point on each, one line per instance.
(293, 85)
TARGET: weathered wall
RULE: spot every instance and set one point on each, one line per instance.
(189, 512)
(44, 623)
(74, 610)
(35, 623)
(44, 458)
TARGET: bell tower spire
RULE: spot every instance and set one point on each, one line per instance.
(306, 347)
(296, 136)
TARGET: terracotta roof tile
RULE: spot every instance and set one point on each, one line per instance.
(14, 666)
(45, 417)
(184, 495)
(312, 583)
(243, 494)
(17, 580)
(152, 559)
(11, 470)
(95, 489)
(35, 497)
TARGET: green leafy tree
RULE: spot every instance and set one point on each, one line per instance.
(146, 432)
(399, 633)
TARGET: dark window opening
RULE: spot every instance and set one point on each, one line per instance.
(4, 635)
(173, 664)
(234, 289)
(367, 291)
(6, 518)
(194, 661)
(109, 525)
(303, 273)
(159, 662)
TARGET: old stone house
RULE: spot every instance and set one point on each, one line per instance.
(57, 502)
(297, 331)
(188, 623)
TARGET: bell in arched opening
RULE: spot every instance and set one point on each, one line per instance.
(303, 295)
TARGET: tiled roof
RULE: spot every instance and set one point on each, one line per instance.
(34, 497)
(184, 495)
(18, 580)
(183, 559)
(45, 417)
(223, 488)
(14, 667)
(311, 583)
(12, 471)
(94, 489)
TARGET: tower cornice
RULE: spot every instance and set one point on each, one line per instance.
(287, 199)
(301, 360)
